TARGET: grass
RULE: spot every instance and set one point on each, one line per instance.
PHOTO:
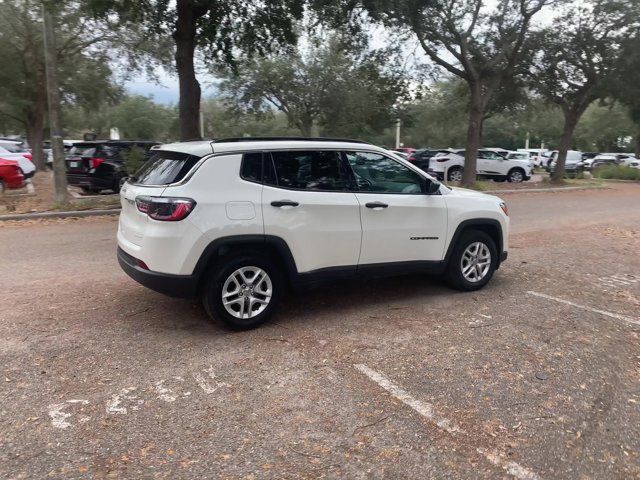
(618, 173)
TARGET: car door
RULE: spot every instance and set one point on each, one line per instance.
(307, 203)
(400, 223)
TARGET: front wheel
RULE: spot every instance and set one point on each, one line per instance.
(243, 292)
(516, 176)
(473, 261)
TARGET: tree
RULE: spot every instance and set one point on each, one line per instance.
(484, 49)
(627, 81)
(220, 31)
(576, 64)
(336, 86)
(84, 48)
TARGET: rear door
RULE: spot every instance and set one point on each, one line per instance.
(306, 202)
(399, 221)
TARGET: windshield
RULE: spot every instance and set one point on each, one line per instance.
(518, 156)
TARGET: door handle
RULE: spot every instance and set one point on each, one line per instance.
(284, 203)
(376, 205)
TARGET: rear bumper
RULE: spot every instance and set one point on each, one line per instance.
(88, 180)
(180, 286)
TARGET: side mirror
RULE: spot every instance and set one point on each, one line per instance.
(433, 187)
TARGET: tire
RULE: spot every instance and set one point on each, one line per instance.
(454, 174)
(89, 190)
(227, 279)
(499, 179)
(516, 175)
(454, 275)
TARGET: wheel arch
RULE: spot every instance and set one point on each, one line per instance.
(272, 246)
(490, 226)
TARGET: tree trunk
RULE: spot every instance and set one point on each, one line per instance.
(570, 122)
(474, 132)
(637, 149)
(185, 38)
(35, 122)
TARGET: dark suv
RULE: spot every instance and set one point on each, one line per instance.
(100, 165)
(421, 158)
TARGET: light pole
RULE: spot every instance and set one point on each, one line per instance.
(397, 133)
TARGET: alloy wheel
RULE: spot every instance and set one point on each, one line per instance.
(247, 292)
(475, 262)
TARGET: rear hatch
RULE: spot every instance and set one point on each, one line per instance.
(162, 169)
(78, 160)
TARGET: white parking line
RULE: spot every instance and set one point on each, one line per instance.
(584, 307)
(427, 411)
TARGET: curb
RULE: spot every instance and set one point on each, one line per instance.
(542, 190)
(81, 213)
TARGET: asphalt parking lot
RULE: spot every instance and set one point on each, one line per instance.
(535, 377)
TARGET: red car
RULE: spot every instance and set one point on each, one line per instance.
(10, 175)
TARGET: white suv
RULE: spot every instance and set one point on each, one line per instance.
(236, 221)
(491, 164)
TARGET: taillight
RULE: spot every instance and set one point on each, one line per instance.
(95, 161)
(411, 158)
(442, 159)
(28, 156)
(166, 209)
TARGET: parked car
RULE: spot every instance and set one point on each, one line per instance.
(402, 155)
(100, 165)
(538, 156)
(449, 164)
(235, 221)
(10, 175)
(634, 164)
(520, 156)
(422, 157)
(573, 164)
(407, 150)
(13, 151)
(600, 161)
(46, 146)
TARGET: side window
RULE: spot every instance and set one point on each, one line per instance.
(309, 170)
(251, 168)
(376, 173)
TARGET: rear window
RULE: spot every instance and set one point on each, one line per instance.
(83, 150)
(164, 168)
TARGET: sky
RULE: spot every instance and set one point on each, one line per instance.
(165, 90)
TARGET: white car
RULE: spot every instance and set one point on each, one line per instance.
(449, 164)
(236, 221)
(538, 156)
(13, 151)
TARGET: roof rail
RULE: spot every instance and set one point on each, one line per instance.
(267, 139)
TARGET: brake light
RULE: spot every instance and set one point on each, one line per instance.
(28, 156)
(412, 158)
(95, 161)
(442, 159)
(165, 209)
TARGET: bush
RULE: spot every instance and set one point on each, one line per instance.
(134, 159)
(618, 172)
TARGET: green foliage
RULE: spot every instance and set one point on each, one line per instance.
(618, 172)
(134, 159)
(336, 87)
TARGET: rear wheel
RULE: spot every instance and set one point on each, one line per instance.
(473, 261)
(454, 174)
(499, 179)
(243, 292)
